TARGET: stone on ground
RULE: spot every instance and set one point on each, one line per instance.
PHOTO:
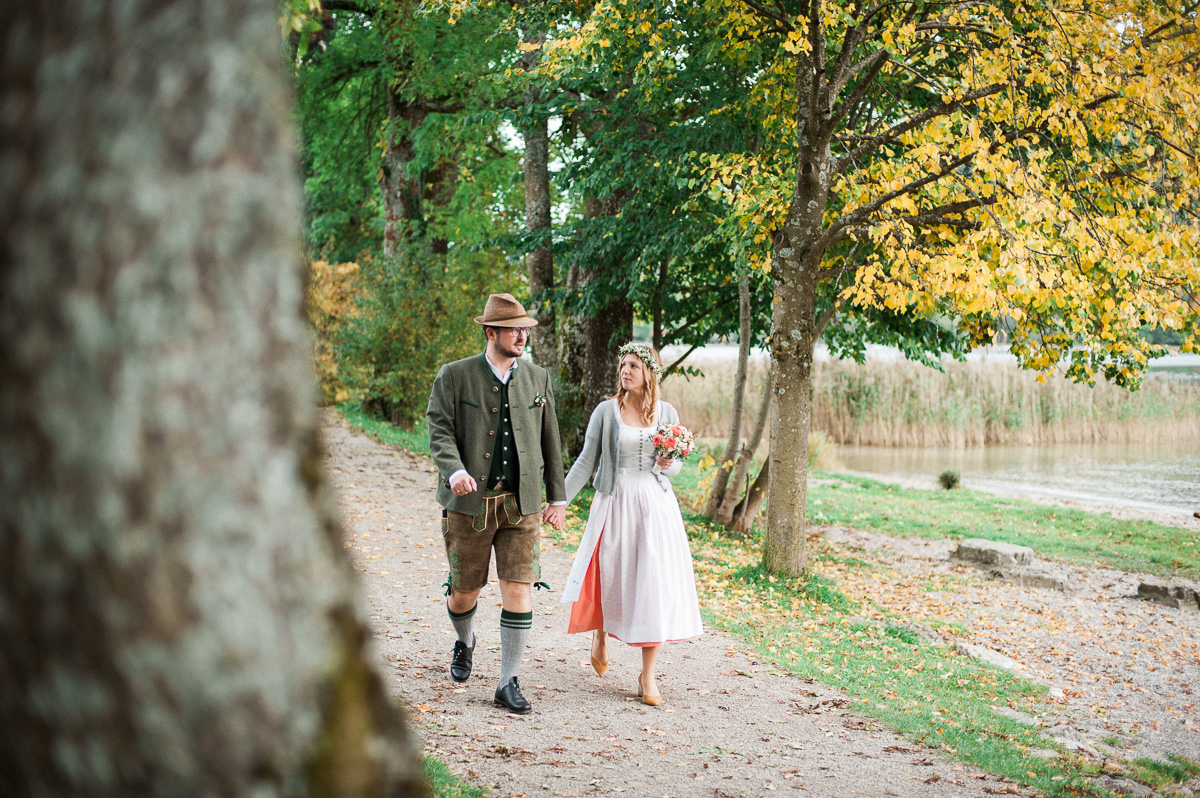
(1178, 593)
(978, 551)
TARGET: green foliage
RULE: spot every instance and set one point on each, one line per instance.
(949, 479)
(413, 315)
(341, 108)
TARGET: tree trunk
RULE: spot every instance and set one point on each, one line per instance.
(402, 186)
(729, 508)
(656, 333)
(179, 616)
(747, 509)
(716, 496)
(590, 341)
(438, 191)
(539, 263)
(796, 265)
(609, 326)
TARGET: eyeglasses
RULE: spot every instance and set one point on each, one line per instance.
(519, 332)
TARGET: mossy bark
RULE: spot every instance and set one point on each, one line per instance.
(796, 266)
(177, 613)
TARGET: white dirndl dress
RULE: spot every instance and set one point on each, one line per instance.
(632, 574)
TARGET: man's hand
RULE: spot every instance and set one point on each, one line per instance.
(462, 484)
(554, 515)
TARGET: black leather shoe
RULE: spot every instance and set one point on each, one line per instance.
(509, 696)
(462, 660)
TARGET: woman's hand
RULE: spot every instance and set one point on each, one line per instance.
(665, 462)
(554, 515)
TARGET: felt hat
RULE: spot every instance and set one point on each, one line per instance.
(503, 310)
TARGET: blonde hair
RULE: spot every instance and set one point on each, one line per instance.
(650, 394)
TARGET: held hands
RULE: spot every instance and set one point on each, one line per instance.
(462, 484)
(554, 515)
(664, 462)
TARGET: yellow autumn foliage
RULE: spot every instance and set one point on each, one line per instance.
(332, 288)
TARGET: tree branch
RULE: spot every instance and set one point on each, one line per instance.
(826, 317)
(783, 22)
(861, 214)
(903, 127)
(874, 63)
(680, 331)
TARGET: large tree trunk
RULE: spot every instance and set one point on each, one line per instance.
(716, 496)
(590, 341)
(796, 265)
(178, 614)
(539, 263)
(401, 184)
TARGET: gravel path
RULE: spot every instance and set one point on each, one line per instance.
(729, 726)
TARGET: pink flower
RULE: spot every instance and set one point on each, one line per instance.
(670, 443)
(677, 430)
(658, 440)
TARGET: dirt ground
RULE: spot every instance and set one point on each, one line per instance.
(729, 725)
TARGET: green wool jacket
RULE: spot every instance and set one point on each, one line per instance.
(463, 416)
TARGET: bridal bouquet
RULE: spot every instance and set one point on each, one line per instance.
(671, 440)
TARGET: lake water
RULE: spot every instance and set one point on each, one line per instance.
(1159, 478)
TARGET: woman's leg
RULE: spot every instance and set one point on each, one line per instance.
(600, 646)
(647, 678)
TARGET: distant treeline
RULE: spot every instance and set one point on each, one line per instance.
(971, 404)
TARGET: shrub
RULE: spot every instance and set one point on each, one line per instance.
(332, 288)
(949, 479)
(413, 313)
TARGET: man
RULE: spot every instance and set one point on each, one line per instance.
(494, 437)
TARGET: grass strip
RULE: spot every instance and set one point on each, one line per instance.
(413, 440)
(447, 785)
(1054, 532)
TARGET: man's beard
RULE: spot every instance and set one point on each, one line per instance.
(505, 351)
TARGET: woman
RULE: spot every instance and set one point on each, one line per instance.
(632, 577)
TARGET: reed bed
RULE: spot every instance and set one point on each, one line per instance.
(971, 404)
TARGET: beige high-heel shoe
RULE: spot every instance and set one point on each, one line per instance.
(598, 665)
(650, 700)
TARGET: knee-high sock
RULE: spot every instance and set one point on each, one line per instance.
(514, 632)
(463, 621)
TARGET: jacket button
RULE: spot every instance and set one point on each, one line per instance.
(495, 389)
(487, 456)
(495, 410)
(491, 432)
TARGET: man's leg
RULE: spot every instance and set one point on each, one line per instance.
(461, 607)
(516, 619)
(468, 553)
(518, 544)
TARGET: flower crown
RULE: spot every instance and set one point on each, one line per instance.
(644, 354)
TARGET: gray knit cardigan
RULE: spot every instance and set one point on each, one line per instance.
(598, 460)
